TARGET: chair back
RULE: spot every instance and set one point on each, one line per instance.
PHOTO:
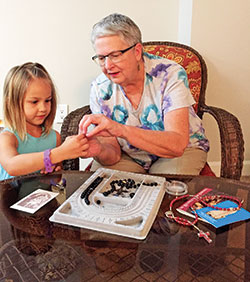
(190, 60)
(70, 127)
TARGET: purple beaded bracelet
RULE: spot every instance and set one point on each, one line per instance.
(47, 162)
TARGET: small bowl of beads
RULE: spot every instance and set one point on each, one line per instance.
(176, 188)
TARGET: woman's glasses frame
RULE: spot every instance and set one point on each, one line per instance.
(114, 56)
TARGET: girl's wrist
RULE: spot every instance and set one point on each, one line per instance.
(56, 154)
(47, 161)
(51, 158)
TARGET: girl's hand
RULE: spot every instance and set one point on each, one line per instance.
(74, 146)
(58, 168)
(55, 168)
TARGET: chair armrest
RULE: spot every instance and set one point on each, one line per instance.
(70, 127)
(232, 143)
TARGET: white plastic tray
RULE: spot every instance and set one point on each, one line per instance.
(118, 213)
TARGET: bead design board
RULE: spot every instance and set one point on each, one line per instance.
(115, 202)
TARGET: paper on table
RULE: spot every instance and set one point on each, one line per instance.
(34, 201)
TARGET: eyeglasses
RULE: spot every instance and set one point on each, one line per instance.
(114, 57)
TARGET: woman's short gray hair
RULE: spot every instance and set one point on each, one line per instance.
(117, 24)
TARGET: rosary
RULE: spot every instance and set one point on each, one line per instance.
(203, 199)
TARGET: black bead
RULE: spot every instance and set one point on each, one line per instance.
(86, 199)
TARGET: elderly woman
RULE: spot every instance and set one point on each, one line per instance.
(142, 107)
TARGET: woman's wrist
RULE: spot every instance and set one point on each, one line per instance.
(125, 131)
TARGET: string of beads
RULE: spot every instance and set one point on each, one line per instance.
(203, 200)
(123, 186)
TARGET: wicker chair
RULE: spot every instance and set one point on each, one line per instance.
(231, 138)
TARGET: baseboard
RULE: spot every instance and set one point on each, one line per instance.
(215, 166)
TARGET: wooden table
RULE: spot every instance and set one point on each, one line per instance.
(34, 249)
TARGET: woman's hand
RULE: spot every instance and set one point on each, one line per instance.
(104, 126)
(103, 144)
(95, 147)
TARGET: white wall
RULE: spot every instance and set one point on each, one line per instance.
(221, 33)
(56, 33)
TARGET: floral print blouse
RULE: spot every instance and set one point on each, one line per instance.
(165, 89)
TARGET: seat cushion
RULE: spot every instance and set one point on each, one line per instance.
(207, 171)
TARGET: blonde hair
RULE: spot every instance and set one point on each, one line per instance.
(15, 87)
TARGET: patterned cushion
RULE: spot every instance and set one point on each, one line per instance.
(185, 58)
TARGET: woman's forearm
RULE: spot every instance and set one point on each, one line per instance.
(166, 144)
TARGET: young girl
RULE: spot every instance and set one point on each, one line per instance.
(28, 143)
